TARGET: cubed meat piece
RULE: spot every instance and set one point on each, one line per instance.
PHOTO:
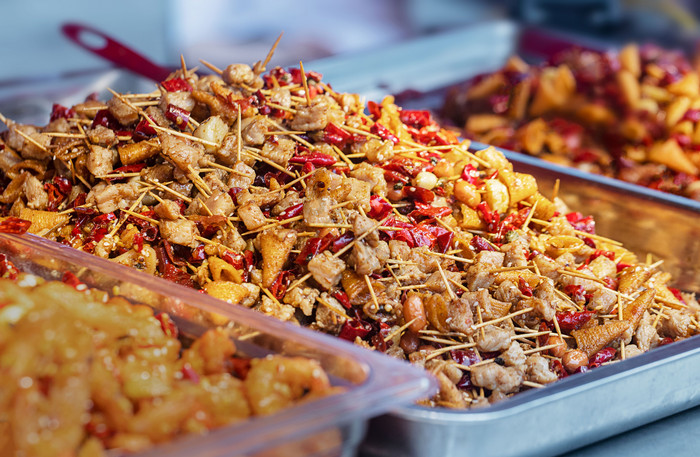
(318, 210)
(37, 197)
(252, 216)
(237, 74)
(110, 197)
(314, 117)
(219, 203)
(291, 199)
(460, 317)
(180, 231)
(374, 176)
(102, 136)
(603, 301)
(276, 309)
(326, 269)
(603, 267)
(182, 100)
(275, 246)
(122, 112)
(516, 252)
(364, 259)
(180, 151)
(677, 325)
(279, 151)
(363, 224)
(242, 176)
(495, 377)
(167, 209)
(547, 266)
(492, 339)
(253, 130)
(303, 298)
(646, 336)
(514, 356)
(436, 284)
(100, 160)
(508, 292)
(537, 370)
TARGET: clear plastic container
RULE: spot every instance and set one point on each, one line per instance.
(331, 426)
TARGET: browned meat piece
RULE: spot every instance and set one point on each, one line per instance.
(303, 298)
(516, 252)
(537, 370)
(436, 284)
(180, 231)
(37, 197)
(460, 318)
(326, 269)
(318, 210)
(641, 173)
(632, 279)
(251, 215)
(677, 325)
(546, 310)
(354, 190)
(508, 292)
(547, 266)
(101, 160)
(479, 276)
(514, 356)
(363, 224)
(375, 150)
(219, 203)
(646, 336)
(278, 150)
(227, 153)
(602, 267)
(593, 339)
(214, 182)
(291, 199)
(492, 338)
(364, 259)
(16, 140)
(182, 153)
(281, 96)
(603, 301)
(242, 176)
(372, 175)
(181, 99)
(253, 130)
(122, 112)
(399, 250)
(168, 209)
(327, 319)
(560, 226)
(237, 74)
(318, 115)
(449, 395)
(8, 158)
(275, 246)
(276, 309)
(110, 197)
(495, 377)
(102, 136)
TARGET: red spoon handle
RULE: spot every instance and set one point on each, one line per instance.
(115, 52)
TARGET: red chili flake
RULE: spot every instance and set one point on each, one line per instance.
(352, 328)
(621, 266)
(375, 109)
(60, 111)
(573, 320)
(583, 224)
(379, 207)
(7, 268)
(677, 293)
(63, 184)
(480, 244)
(104, 218)
(665, 341)
(73, 281)
(430, 212)
(150, 233)
(544, 326)
(79, 200)
(318, 159)
(465, 357)
(343, 298)
(600, 253)
(415, 118)
(138, 242)
(292, 211)
(14, 225)
(558, 368)
(189, 373)
(176, 85)
(178, 116)
(335, 135)
(383, 132)
(444, 241)
(524, 287)
(602, 356)
(198, 255)
(419, 194)
(394, 176)
(471, 175)
(237, 261)
(611, 283)
(406, 167)
(55, 197)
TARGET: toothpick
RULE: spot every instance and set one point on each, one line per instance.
(447, 284)
(211, 66)
(501, 319)
(371, 292)
(140, 216)
(555, 191)
(261, 68)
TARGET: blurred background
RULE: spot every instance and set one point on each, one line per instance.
(226, 31)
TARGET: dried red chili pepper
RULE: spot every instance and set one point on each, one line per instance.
(621, 266)
(279, 286)
(60, 111)
(63, 184)
(492, 218)
(145, 129)
(471, 175)
(444, 241)
(677, 293)
(419, 194)
(379, 207)
(353, 328)
(73, 281)
(240, 366)
(176, 85)
(14, 225)
(665, 341)
(431, 212)
(415, 118)
(292, 211)
(573, 320)
(465, 357)
(600, 253)
(104, 118)
(602, 356)
(167, 325)
(375, 109)
(55, 197)
(342, 241)
(343, 298)
(480, 244)
(335, 135)
(558, 368)
(318, 159)
(189, 373)
(580, 223)
(313, 247)
(178, 116)
(174, 274)
(384, 133)
(524, 287)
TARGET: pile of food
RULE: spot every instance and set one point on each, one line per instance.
(632, 114)
(81, 373)
(273, 191)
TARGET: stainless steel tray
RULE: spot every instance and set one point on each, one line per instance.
(580, 409)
